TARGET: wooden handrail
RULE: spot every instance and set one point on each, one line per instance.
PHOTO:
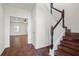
(63, 25)
(57, 23)
(63, 19)
(54, 8)
(62, 16)
(57, 10)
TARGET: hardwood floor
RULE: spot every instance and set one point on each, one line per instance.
(19, 47)
(18, 40)
(26, 51)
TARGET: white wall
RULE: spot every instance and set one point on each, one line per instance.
(43, 24)
(1, 29)
(71, 15)
(16, 12)
(33, 25)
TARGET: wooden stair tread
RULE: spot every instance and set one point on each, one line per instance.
(71, 43)
(68, 50)
(75, 34)
(71, 46)
(60, 52)
(70, 37)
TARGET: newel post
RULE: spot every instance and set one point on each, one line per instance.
(63, 18)
(52, 32)
(51, 6)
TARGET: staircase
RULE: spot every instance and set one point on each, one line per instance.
(69, 46)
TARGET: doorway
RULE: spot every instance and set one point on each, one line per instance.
(18, 32)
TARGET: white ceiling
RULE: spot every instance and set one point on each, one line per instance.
(22, 5)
